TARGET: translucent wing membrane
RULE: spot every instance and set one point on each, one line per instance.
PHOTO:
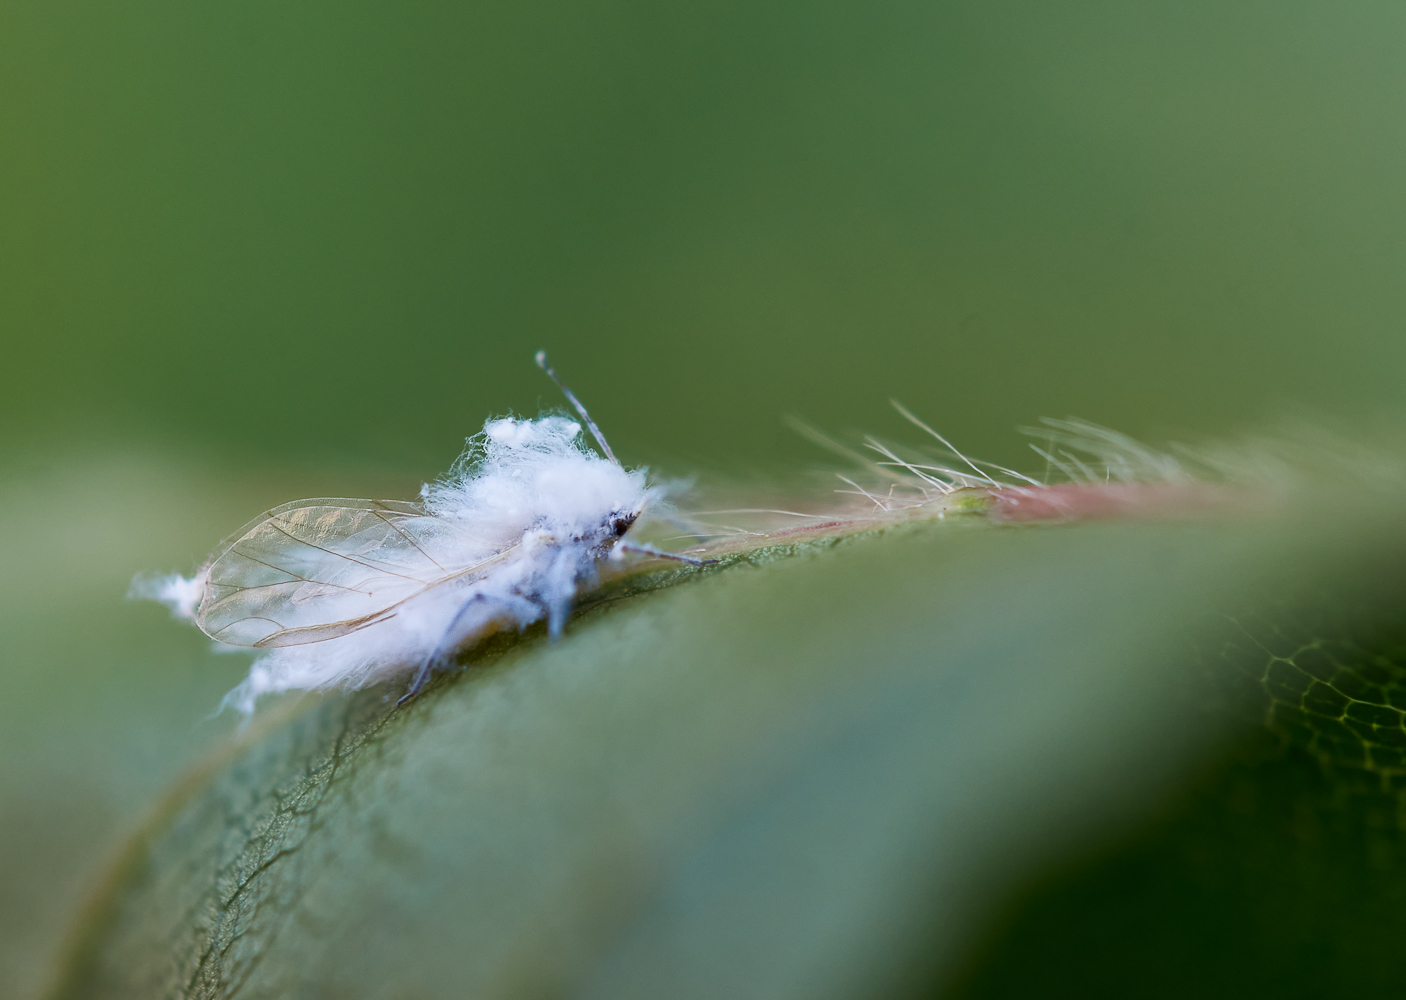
(318, 569)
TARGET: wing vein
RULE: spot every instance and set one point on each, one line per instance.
(294, 576)
(340, 555)
(416, 545)
(241, 621)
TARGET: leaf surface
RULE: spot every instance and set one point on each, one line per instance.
(784, 779)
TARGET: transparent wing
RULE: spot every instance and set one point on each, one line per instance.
(318, 569)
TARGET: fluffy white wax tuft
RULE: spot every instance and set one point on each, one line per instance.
(529, 488)
(179, 593)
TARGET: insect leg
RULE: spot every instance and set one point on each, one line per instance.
(554, 611)
(441, 653)
(650, 550)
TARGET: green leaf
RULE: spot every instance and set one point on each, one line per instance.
(815, 772)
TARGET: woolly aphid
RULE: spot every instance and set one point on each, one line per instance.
(346, 593)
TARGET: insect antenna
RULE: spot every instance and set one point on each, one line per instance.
(590, 424)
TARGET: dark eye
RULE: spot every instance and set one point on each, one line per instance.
(622, 525)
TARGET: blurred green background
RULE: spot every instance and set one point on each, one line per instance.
(260, 251)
